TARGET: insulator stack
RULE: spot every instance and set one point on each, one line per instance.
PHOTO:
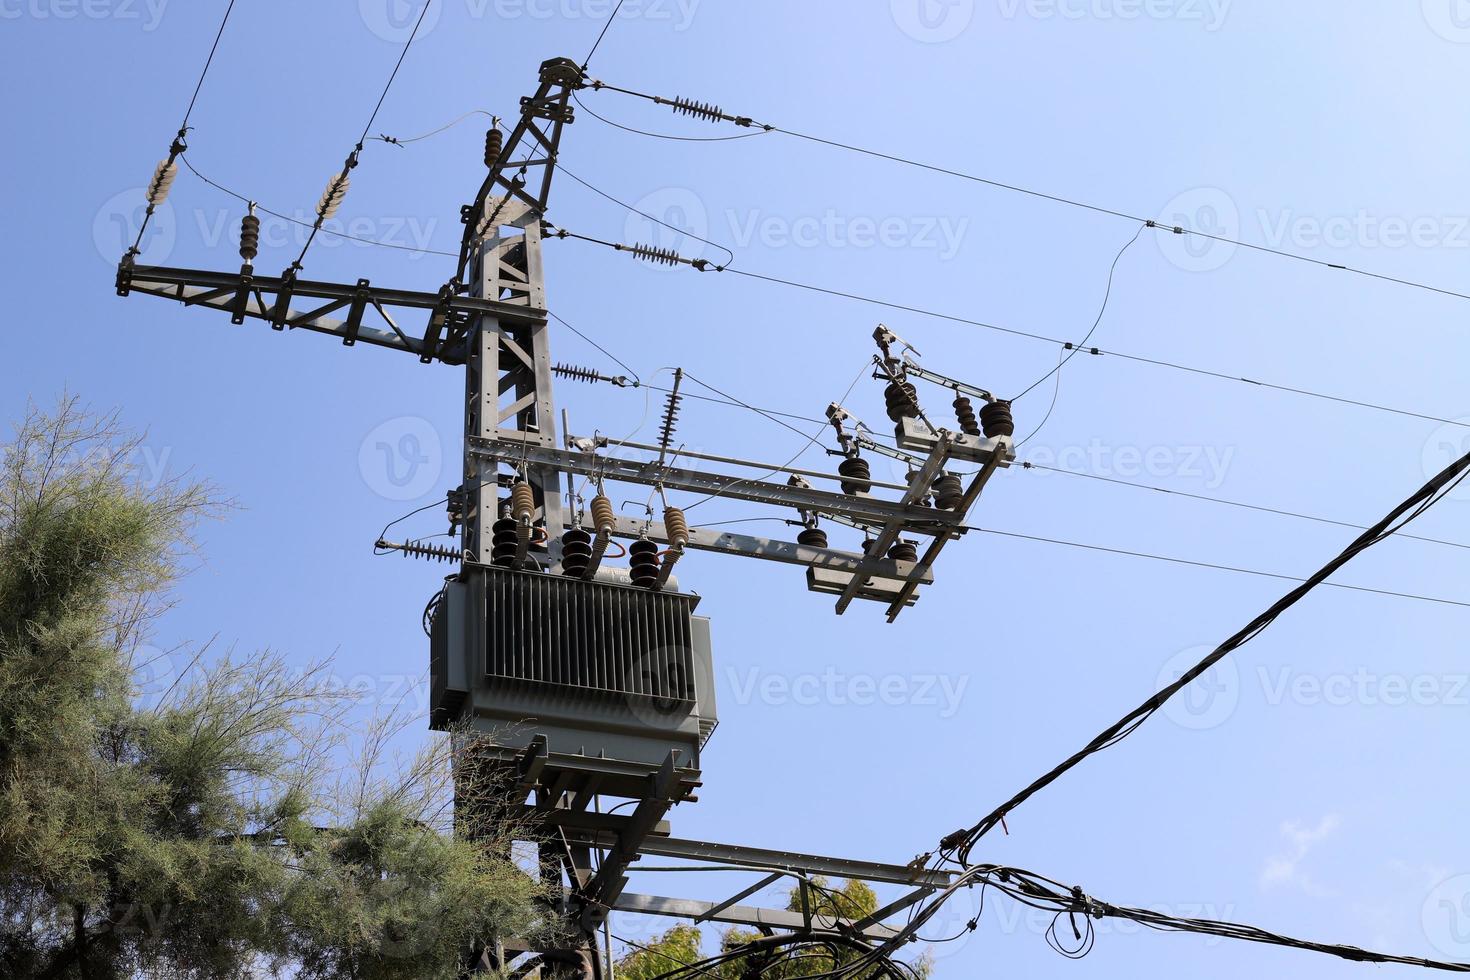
(162, 182)
(575, 372)
(505, 541)
(997, 420)
(576, 552)
(902, 399)
(643, 559)
(904, 551)
(812, 537)
(494, 143)
(654, 254)
(422, 549)
(604, 518)
(670, 420)
(332, 197)
(699, 110)
(949, 492)
(249, 238)
(964, 413)
(522, 503)
(859, 475)
(676, 527)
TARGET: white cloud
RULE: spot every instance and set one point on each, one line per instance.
(1285, 869)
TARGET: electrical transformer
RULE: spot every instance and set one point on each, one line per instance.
(594, 682)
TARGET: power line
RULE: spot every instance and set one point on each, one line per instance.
(602, 34)
(777, 414)
(163, 175)
(963, 840)
(306, 224)
(1014, 332)
(644, 214)
(1068, 354)
(207, 63)
(1211, 565)
(1233, 503)
(1160, 225)
(331, 199)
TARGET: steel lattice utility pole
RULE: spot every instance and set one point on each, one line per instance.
(611, 665)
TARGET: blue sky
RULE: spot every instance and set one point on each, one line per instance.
(1314, 787)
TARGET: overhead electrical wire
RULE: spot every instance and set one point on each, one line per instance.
(963, 841)
(164, 174)
(1212, 565)
(702, 265)
(331, 198)
(1068, 353)
(307, 224)
(403, 141)
(644, 214)
(602, 34)
(1031, 465)
(662, 136)
(1166, 227)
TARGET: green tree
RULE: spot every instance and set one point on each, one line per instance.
(215, 834)
(682, 945)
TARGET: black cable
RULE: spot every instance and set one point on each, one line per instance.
(1162, 226)
(404, 141)
(598, 43)
(306, 224)
(393, 76)
(1064, 344)
(1233, 503)
(644, 214)
(759, 411)
(811, 441)
(1400, 516)
(158, 187)
(1211, 565)
(663, 136)
(207, 62)
(337, 186)
(1107, 295)
(636, 381)
(1037, 891)
(1067, 354)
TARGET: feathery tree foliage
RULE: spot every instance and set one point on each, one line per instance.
(214, 834)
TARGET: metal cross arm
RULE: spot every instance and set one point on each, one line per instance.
(340, 309)
(908, 515)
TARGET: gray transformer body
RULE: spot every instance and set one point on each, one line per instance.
(591, 683)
